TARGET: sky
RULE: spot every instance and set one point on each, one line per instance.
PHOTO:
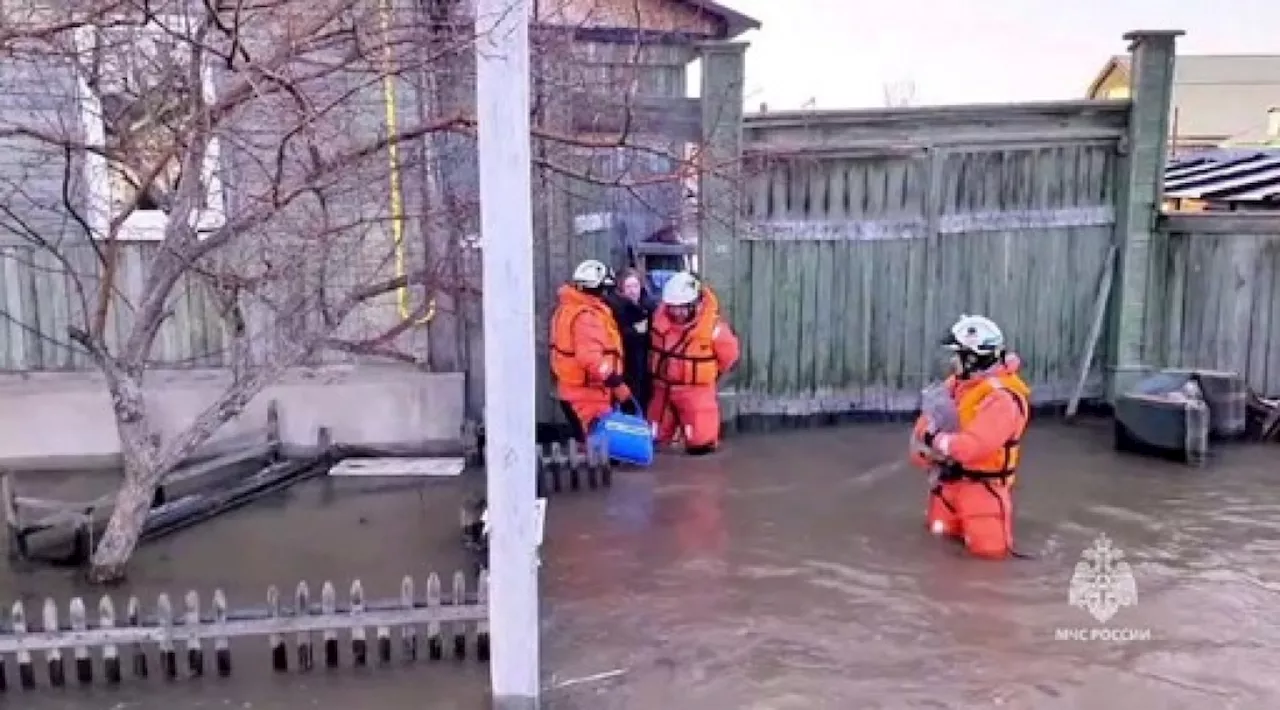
(842, 53)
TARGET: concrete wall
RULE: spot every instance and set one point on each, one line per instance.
(65, 420)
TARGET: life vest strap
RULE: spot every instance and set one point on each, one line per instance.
(683, 355)
(956, 472)
(659, 357)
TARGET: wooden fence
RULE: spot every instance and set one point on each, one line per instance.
(868, 232)
(1214, 298)
(458, 620)
(42, 293)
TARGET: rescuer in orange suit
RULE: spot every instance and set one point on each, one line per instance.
(586, 349)
(975, 464)
(690, 348)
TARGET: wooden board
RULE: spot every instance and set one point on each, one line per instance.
(435, 466)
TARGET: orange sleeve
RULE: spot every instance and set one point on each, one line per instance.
(996, 422)
(590, 343)
(726, 347)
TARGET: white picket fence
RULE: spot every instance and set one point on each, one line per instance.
(458, 619)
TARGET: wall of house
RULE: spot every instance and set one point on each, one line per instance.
(389, 407)
(1115, 86)
(46, 287)
(1224, 96)
(37, 177)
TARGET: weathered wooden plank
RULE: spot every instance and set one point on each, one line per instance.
(1221, 224)
(743, 311)
(759, 327)
(1270, 384)
(672, 117)
(438, 466)
(873, 121)
(913, 145)
(949, 224)
(824, 377)
(806, 258)
(784, 360)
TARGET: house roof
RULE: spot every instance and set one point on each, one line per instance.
(735, 22)
(1206, 69)
(1216, 96)
(1118, 62)
(1225, 176)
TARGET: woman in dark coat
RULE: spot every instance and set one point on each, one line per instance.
(632, 307)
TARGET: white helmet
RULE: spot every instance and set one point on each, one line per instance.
(682, 289)
(592, 274)
(977, 334)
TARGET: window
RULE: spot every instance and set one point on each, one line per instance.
(135, 100)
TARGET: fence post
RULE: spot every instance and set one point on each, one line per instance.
(408, 632)
(53, 657)
(720, 179)
(133, 616)
(302, 607)
(1138, 298)
(110, 652)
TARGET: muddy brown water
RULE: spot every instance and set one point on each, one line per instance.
(790, 571)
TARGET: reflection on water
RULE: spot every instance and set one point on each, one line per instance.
(793, 570)
(789, 571)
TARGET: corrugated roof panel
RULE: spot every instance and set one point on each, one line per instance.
(1225, 186)
(1223, 172)
(1225, 175)
(1261, 194)
(1184, 172)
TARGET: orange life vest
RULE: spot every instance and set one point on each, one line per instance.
(684, 354)
(1003, 462)
(564, 364)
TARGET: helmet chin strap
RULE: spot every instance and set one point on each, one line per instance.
(972, 363)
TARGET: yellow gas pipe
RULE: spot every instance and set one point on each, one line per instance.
(393, 158)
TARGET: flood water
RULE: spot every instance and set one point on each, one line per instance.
(325, 529)
(794, 571)
(789, 571)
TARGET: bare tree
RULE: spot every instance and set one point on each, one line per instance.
(248, 149)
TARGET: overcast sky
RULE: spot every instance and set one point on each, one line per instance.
(841, 53)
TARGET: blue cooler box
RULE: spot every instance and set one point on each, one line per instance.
(628, 437)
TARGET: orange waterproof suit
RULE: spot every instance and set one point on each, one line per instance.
(686, 360)
(978, 462)
(586, 350)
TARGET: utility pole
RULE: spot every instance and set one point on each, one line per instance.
(506, 240)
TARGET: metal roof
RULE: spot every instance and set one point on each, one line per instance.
(735, 22)
(1225, 176)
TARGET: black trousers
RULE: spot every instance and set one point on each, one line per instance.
(578, 429)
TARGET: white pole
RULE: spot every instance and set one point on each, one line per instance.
(506, 228)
